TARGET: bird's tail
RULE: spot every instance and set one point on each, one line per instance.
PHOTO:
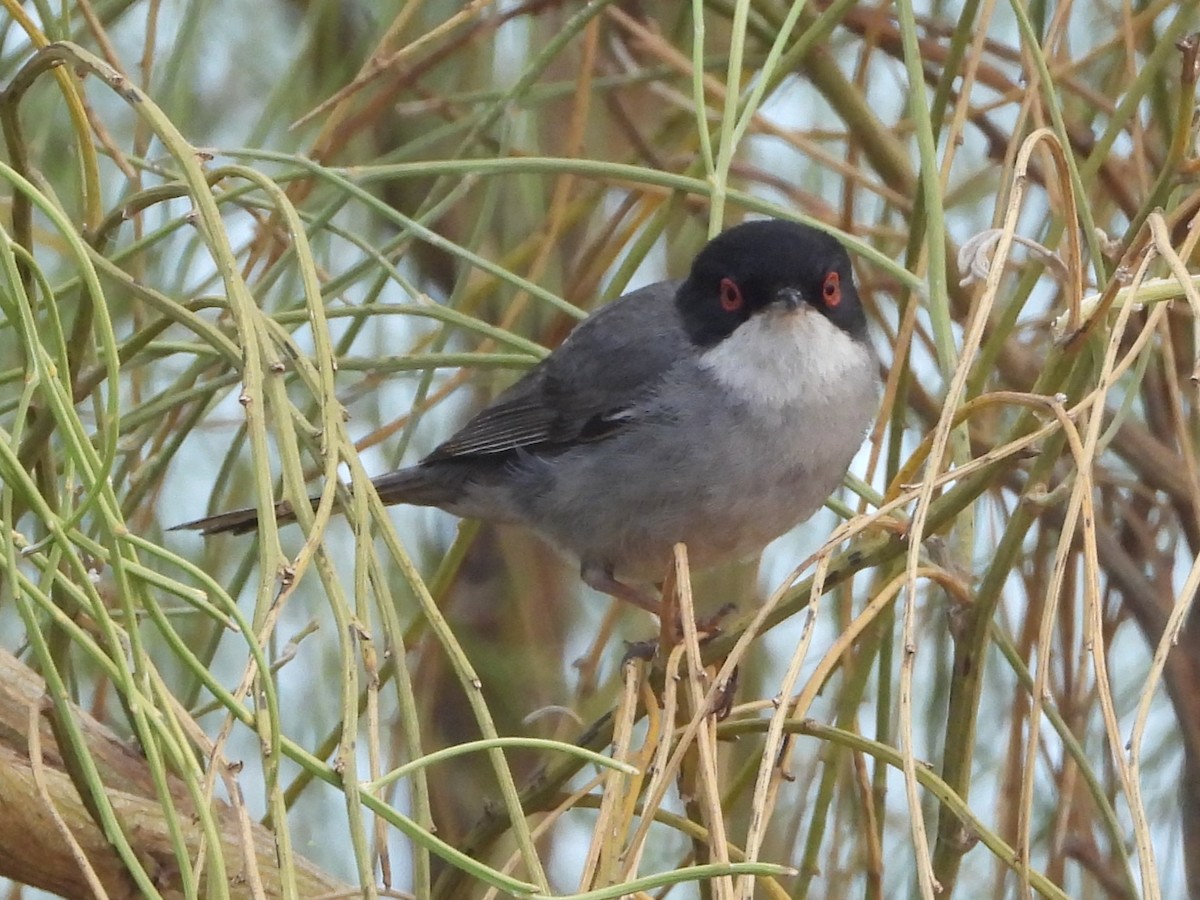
(420, 486)
(415, 485)
(236, 521)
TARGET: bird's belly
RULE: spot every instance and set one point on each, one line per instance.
(625, 510)
(720, 526)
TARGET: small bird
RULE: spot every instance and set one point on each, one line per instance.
(719, 411)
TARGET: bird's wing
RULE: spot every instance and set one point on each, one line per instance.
(588, 386)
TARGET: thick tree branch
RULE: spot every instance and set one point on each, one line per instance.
(33, 848)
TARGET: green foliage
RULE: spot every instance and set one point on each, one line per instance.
(253, 251)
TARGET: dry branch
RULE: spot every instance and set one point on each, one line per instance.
(33, 849)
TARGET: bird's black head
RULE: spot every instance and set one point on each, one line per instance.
(763, 264)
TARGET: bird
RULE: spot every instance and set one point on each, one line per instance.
(719, 410)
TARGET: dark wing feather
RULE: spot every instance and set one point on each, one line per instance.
(503, 426)
(585, 388)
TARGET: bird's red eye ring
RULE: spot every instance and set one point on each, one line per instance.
(731, 295)
(831, 290)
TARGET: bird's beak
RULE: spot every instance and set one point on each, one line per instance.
(789, 299)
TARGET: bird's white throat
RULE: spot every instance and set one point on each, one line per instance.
(778, 359)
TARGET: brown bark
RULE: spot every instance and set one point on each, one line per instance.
(34, 849)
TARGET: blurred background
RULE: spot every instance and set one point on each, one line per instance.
(256, 248)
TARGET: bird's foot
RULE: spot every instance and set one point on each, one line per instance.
(706, 629)
(643, 651)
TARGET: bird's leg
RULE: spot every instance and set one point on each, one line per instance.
(600, 578)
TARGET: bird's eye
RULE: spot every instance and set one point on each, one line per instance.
(731, 295)
(831, 290)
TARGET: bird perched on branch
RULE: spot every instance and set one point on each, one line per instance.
(720, 410)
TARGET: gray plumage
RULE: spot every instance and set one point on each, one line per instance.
(719, 411)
